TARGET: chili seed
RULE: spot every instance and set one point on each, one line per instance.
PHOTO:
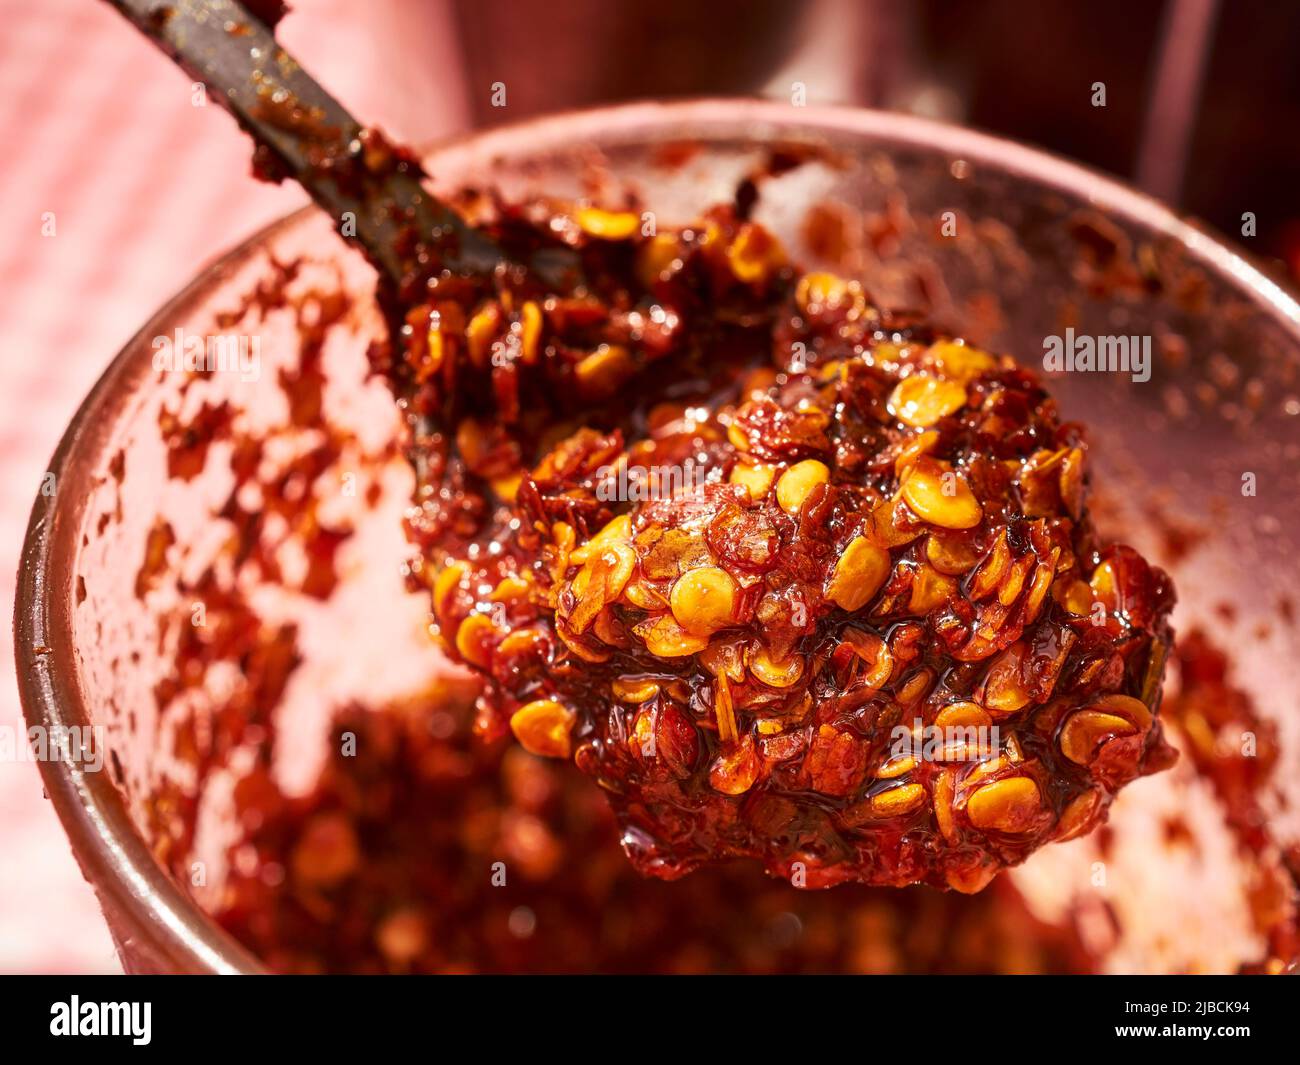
(818, 292)
(960, 360)
(1004, 689)
(858, 575)
(1077, 598)
(665, 638)
(1008, 805)
(797, 483)
(1086, 730)
(754, 254)
(480, 331)
(898, 766)
(607, 225)
(963, 714)
(874, 652)
(755, 477)
(447, 581)
(940, 496)
(953, 553)
(1071, 482)
(656, 258)
(943, 795)
(543, 727)
(634, 689)
(1079, 816)
(473, 639)
(1125, 706)
(603, 371)
(704, 600)
(920, 400)
(775, 673)
(898, 801)
(930, 589)
(530, 331)
(617, 531)
(921, 444)
(509, 589)
(734, 771)
(600, 581)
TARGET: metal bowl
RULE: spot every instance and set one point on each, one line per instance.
(1199, 466)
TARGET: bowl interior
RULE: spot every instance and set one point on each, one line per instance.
(221, 566)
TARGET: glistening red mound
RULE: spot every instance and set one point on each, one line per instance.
(791, 577)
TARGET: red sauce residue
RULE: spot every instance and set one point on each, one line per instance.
(1236, 750)
(431, 852)
(887, 527)
(431, 845)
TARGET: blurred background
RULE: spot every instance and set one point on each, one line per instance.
(119, 184)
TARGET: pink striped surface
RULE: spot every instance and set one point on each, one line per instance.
(143, 187)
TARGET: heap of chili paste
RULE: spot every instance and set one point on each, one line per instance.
(789, 576)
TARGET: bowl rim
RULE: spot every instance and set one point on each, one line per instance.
(142, 902)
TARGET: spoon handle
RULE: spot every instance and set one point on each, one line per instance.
(304, 133)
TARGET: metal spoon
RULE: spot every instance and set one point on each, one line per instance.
(302, 132)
